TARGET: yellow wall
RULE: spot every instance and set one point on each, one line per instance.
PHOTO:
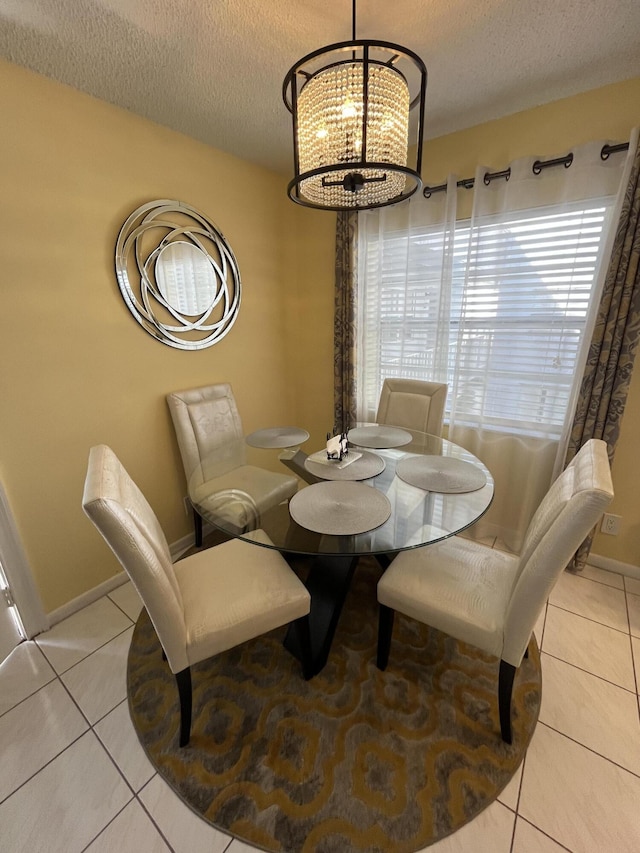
(76, 367)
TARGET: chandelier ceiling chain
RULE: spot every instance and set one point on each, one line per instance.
(350, 104)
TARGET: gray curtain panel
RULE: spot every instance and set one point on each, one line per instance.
(344, 328)
(607, 376)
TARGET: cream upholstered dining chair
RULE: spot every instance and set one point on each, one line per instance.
(205, 419)
(491, 599)
(413, 404)
(203, 604)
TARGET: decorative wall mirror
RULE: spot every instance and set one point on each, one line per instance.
(177, 275)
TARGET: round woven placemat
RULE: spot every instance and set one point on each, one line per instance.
(441, 474)
(277, 437)
(379, 436)
(353, 760)
(340, 509)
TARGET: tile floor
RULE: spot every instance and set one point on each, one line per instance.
(73, 776)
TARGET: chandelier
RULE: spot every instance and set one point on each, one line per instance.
(351, 106)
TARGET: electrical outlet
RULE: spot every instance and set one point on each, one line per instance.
(187, 505)
(610, 524)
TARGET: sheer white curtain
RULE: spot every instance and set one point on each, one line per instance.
(405, 262)
(537, 251)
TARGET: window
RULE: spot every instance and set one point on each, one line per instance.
(505, 334)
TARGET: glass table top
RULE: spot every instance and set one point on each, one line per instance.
(241, 489)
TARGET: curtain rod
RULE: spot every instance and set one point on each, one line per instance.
(537, 167)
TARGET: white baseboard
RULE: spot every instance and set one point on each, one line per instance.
(176, 550)
(86, 598)
(610, 565)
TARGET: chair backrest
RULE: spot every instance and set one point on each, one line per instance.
(203, 418)
(123, 516)
(567, 514)
(413, 404)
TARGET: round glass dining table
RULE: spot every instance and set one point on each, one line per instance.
(378, 500)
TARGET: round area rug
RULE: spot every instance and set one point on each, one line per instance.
(353, 760)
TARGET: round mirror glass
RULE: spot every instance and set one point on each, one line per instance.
(186, 278)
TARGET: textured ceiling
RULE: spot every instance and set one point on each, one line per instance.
(213, 69)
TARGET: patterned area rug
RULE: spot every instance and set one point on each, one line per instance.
(353, 760)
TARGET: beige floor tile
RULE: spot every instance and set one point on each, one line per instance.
(509, 795)
(632, 585)
(633, 602)
(489, 832)
(602, 576)
(98, 683)
(118, 735)
(592, 711)
(589, 645)
(591, 599)
(132, 831)
(528, 839)
(578, 798)
(34, 732)
(127, 599)
(183, 829)
(76, 637)
(64, 806)
(22, 673)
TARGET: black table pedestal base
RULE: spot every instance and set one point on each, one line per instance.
(328, 582)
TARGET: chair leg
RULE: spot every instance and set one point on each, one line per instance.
(385, 630)
(197, 526)
(505, 689)
(183, 680)
(304, 639)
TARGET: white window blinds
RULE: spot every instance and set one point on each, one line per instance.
(522, 316)
(505, 334)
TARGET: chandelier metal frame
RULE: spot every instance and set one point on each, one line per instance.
(358, 173)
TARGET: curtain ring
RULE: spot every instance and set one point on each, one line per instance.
(539, 165)
(490, 176)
